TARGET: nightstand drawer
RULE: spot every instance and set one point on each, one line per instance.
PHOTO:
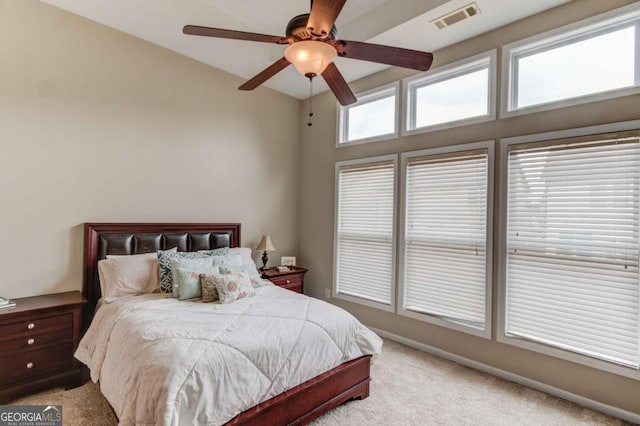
(287, 280)
(30, 364)
(297, 287)
(291, 282)
(32, 341)
(29, 327)
(291, 279)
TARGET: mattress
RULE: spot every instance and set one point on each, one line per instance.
(168, 362)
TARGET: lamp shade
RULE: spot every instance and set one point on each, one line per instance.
(310, 57)
(265, 244)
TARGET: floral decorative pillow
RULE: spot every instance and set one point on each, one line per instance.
(258, 282)
(233, 287)
(208, 287)
(187, 280)
(164, 262)
(249, 268)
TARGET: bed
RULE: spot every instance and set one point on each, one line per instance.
(306, 381)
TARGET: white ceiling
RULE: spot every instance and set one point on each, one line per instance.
(402, 23)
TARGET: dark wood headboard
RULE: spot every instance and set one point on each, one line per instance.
(101, 239)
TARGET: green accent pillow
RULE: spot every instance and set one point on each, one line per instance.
(189, 264)
(188, 280)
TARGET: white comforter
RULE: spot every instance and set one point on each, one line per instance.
(168, 362)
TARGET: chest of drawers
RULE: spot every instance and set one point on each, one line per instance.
(37, 341)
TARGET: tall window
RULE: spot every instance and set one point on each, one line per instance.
(446, 270)
(455, 94)
(572, 279)
(370, 119)
(364, 252)
(597, 56)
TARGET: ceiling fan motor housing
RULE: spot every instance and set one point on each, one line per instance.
(297, 29)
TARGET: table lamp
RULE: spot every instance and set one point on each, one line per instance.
(265, 246)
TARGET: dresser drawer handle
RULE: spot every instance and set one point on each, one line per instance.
(288, 282)
(29, 365)
(31, 341)
(31, 326)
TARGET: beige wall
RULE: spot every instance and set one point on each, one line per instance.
(96, 125)
(316, 208)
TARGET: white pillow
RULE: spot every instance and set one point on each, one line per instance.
(115, 256)
(245, 254)
(128, 275)
(228, 259)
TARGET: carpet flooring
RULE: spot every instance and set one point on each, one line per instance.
(408, 387)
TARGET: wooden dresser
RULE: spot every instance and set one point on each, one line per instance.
(292, 280)
(37, 341)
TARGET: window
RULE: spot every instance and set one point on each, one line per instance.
(572, 279)
(446, 276)
(365, 223)
(572, 64)
(370, 119)
(457, 94)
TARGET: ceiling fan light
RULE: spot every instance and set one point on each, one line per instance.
(310, 57)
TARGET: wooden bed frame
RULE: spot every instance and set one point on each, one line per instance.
(297, 406)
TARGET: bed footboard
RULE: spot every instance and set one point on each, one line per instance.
(311, 399)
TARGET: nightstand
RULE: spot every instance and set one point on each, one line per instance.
(292, 280)
(37, 341)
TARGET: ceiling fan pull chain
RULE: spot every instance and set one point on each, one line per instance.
(310, 101)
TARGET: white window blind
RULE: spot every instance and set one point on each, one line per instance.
(572, 246)
(445, 253)
(365, 222)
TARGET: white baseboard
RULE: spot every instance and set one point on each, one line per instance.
(551, 390)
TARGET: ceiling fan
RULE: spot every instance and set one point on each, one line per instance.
(313, 47)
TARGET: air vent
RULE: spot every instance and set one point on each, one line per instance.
(456, 16)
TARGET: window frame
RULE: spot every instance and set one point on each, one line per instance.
(489, 145)
(501, 336)
(365, 97)
(394, 237)
(447, 72)
(566, 35)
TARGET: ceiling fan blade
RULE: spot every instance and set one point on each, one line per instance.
(399, 57)
(323, 16)
(266, 74)
(338, 85)
(235, 35)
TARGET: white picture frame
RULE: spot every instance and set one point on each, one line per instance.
(288, 261)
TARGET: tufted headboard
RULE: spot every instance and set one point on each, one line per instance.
(101, 239)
